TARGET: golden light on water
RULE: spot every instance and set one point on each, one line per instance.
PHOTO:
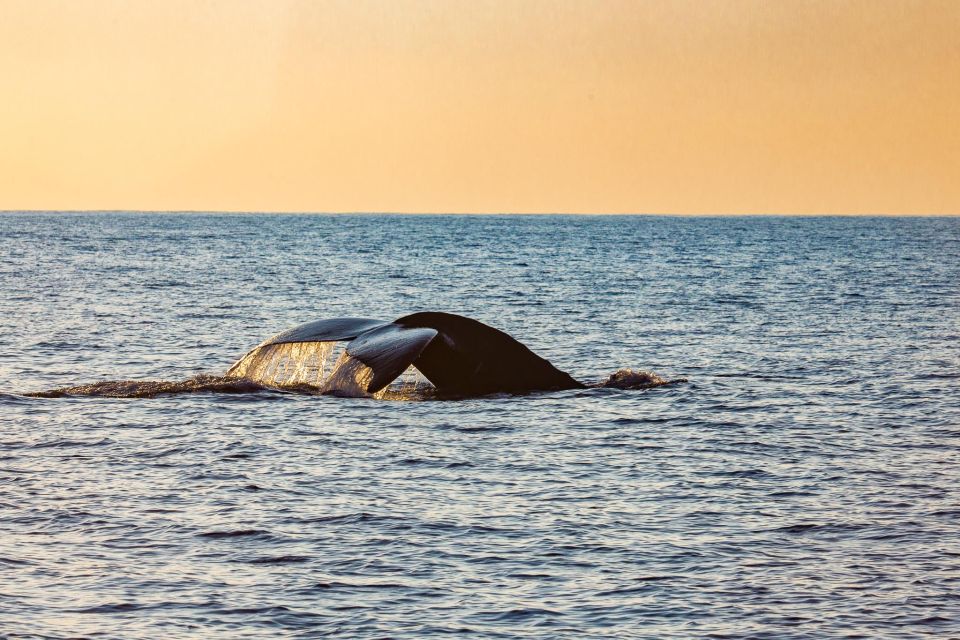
(738, 106)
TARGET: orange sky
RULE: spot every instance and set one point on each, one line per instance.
(690, 106)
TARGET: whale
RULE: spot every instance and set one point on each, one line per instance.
(363, 357)
(458, 355)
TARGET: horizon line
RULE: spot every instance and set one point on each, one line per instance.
(492, 213)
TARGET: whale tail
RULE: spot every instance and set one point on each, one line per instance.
(458, 355)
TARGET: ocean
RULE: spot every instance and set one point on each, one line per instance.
(803, 483)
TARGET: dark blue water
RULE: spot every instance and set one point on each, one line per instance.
(805, 482)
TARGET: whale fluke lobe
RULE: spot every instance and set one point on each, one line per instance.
(471, 358)
(388, 350)
(303, 355)
(458, 355)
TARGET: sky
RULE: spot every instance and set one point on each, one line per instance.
(576, 106)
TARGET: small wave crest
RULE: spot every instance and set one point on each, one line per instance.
(630, 379)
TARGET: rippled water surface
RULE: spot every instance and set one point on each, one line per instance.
(803, 484)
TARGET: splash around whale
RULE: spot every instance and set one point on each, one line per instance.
(427, 354)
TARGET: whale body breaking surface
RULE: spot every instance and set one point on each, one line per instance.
(426, 354)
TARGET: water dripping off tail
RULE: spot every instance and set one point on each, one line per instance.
(321, 368)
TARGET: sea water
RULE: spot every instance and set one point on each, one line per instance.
(804, 483)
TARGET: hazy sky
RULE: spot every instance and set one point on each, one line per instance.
(734, 106)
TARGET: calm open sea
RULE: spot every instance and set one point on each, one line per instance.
(805, 482)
